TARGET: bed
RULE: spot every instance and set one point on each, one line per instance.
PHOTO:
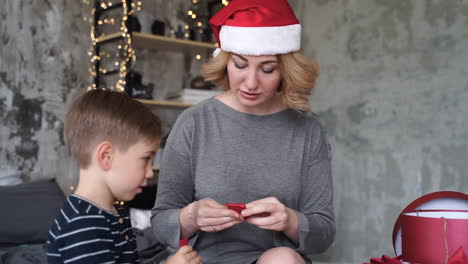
(28, 209)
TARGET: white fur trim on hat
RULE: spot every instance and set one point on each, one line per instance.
(260, 40)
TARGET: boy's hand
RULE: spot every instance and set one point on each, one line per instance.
(185, 255)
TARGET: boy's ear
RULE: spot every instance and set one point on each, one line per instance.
(104, 154)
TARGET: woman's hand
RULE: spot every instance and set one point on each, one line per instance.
(280, 218)
(211, 216)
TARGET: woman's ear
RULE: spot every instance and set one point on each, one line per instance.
(105, 152)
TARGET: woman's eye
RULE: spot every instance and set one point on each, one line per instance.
(240, 66)
(268, 71)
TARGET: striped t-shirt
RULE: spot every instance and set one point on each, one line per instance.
(84, 233)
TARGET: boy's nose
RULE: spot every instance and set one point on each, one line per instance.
(150, 173)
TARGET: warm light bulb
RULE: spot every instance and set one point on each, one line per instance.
(198, 56)
(190, 12)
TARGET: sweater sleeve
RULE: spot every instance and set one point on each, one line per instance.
(175, 186)
(315, 214)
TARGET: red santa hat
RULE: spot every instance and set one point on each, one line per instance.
(257, 27)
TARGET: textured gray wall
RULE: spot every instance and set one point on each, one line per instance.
(43, 62)
(391, 94)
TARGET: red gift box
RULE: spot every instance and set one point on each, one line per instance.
(433, 229)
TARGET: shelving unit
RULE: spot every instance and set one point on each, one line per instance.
(155, 42)
(139, 41)
(166, 103)
(130, 41)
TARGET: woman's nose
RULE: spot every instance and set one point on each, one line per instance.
(251, 79)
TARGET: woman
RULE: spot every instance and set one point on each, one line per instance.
(256, 144)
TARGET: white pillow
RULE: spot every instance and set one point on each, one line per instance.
(140, 218)
(10, 178)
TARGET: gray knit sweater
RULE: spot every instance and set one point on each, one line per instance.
(217, 152)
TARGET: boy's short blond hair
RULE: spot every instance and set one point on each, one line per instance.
(102, 115)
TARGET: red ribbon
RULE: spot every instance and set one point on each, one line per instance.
(458, 258)
(387, 260)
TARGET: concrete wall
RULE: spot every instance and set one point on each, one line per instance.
(391, 94)
(43, 63)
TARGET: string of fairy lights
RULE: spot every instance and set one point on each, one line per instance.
(125, 55)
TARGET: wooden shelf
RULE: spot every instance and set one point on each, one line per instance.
(166, 103)
(155, 42)
(109, 37)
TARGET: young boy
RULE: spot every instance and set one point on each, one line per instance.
(114, 140)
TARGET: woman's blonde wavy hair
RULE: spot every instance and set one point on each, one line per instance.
(298, 77)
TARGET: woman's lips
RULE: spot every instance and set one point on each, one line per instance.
(249, 96)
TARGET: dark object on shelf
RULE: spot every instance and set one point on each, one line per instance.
(145, 199)
(200, 83)
(135, 88)
(199, 35)
(133, 24)
(158, 27)
(180, 32)
(191, 34)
